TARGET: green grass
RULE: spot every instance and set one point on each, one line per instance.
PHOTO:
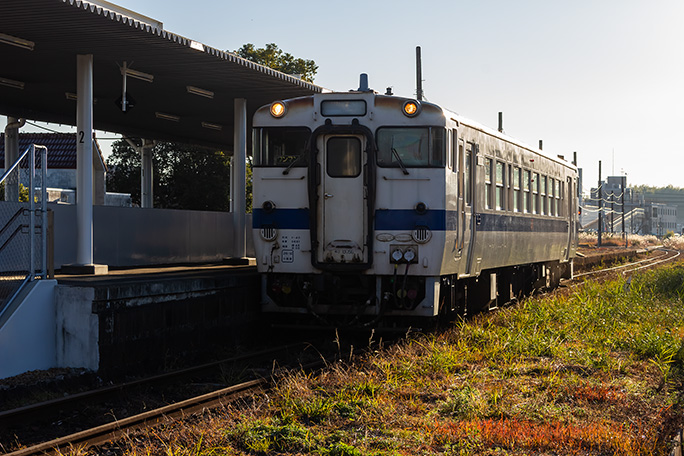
(593, 372)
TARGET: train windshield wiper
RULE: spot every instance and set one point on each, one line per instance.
(286, 171)
(400, 161)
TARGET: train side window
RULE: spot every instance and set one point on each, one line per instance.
(488, 182)
(542, 196)
(455, 144)
(516, 189)
(562, 199)
(551, 196)
(500, 199)
(527, 197)
(535, 193)
(468, 166)
(559, 207)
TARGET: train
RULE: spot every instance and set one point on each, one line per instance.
(373, 209)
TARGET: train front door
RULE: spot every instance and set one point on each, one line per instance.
(342, 209)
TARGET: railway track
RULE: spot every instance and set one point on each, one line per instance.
(104, 433)
(51, 413)
(666, 255)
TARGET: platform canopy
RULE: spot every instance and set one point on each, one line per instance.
(190, 96)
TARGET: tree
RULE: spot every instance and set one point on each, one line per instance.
(273, 57)
(185, 177)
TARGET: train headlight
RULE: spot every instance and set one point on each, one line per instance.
(268, 233)
(278, 109)
(268, 206)
(421, 234)
(421, 208)
(411, 108)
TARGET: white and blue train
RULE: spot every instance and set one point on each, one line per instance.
(374, 208)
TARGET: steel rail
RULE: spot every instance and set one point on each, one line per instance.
(652, 262)
(23, 413)
(657, 262)
(110, 431)
(618, 267)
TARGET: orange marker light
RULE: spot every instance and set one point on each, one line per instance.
(278, 109)
(411, 108)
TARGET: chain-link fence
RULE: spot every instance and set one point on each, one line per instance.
(23, 222)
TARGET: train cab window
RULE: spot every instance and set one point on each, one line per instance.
(488, 182)
(468, 166)
(281, 147)
(455, 144)
(343, 157)
(527, 197)
(411, 147)
(500, 198)
(543, 209)
(516, 189)
(450, 146)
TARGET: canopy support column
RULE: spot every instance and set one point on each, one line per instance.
(238, 182)
(84, 171)
(11, 154)
(146, 174)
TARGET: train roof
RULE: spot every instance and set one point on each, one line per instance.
(461, 120)
(502, 136)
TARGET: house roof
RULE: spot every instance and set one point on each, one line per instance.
(61, 148)
(46, 36)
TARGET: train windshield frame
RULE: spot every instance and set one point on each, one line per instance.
(281, 147)
(412, 147)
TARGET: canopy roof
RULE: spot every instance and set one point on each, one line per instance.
(39, 42)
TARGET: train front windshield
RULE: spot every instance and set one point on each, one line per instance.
(421, 147)
(286, 147)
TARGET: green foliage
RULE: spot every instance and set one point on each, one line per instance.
(273, 57)
(307, 409)
(23, 193)
(185, 177)
(265, 438)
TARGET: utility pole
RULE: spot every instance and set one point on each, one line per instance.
(624, 233)
(600, 212)
(612, 212)
(419, 75)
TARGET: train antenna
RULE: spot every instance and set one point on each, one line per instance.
(363, 83)
(501, 122)
(419, 75)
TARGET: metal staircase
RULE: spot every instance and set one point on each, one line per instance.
(23, 225)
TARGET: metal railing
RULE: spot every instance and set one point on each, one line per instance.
(23, 232)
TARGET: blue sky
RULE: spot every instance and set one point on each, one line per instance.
(601, 77)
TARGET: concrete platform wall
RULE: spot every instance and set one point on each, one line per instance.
(27, 332)
(149, 323)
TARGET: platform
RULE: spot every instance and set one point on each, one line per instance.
(138, 318)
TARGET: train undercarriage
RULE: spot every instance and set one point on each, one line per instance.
(401, 300)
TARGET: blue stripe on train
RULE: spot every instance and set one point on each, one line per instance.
(283, 219)
(408, 219)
